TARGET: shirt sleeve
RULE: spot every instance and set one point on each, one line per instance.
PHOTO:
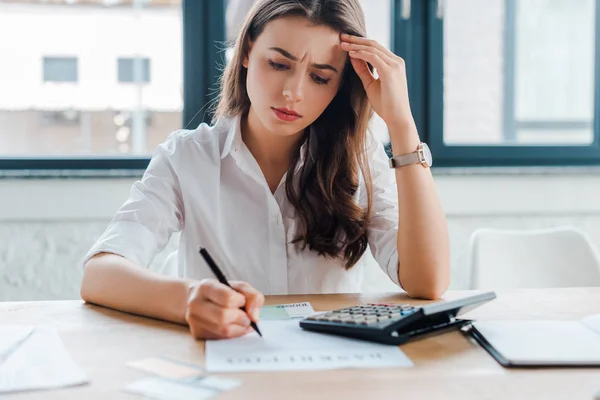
(143, 225)
(383, 228)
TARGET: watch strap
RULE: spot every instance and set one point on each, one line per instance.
(405, 159)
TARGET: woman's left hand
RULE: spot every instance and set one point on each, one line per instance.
(388, 92)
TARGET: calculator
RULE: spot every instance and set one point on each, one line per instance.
(395, 323)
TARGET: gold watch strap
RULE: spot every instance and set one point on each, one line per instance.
(405, 159)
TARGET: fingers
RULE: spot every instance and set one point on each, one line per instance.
(369, 43)
(359, 47)
(371, 57)
(201, 330)
(213, 309)
(363, 71)
(215, 314)
(254, 299)
(212, 321)
(221, 294)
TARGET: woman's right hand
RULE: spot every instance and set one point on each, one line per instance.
(213, 309)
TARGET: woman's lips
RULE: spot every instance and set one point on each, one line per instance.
(286, 115)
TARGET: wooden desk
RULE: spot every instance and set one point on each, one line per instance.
(446, 366)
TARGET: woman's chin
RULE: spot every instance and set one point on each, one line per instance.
(283, 128)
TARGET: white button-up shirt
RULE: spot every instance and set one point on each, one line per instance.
(206, 184)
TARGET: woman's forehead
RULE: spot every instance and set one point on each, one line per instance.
(300, 38)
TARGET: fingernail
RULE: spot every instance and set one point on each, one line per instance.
(255, 314)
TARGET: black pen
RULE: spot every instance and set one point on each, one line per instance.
(217, 271)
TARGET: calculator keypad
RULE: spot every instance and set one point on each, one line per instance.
(369, 314)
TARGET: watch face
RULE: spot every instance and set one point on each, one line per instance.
(427, 155)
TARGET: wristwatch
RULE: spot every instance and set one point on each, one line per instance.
(422, 155)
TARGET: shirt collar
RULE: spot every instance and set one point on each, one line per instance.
(233, 132)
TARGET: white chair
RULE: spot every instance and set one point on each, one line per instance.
(510, 259)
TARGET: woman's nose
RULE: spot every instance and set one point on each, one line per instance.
(293, 90)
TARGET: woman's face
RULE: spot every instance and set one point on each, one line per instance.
(294, 71)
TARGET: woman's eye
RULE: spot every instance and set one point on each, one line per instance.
(277, 66)
(320, 81)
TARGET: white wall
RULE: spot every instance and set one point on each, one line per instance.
(46, 226)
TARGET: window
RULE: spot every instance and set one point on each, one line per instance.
(60, 69)
(48, 122)
(500, 82)
(133, 70)
(549, 72)
(511, 82)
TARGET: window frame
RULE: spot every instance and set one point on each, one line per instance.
(418, 39)
(485, 155)
(203, 29)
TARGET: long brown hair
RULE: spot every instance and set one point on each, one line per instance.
(323, 190)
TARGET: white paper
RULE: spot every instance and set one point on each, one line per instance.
(287, 347)
(592, 322)
(11, 337)
(158, 388)
(198, 388)
(40, 362)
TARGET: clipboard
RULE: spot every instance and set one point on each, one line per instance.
(537, 343)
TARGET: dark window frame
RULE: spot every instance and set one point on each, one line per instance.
(425, 71)
(203, 34)
(511, 125)
(419, 40)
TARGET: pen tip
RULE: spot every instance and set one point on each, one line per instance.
(256, 329)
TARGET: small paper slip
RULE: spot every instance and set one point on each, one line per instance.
(286, 311)
(194, 388)
(11, 337)
(287, 347)
(166, 368)
(39, 362)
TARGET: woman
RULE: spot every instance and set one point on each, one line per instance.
(287, 188)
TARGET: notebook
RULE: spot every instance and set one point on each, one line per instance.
(540, 343)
